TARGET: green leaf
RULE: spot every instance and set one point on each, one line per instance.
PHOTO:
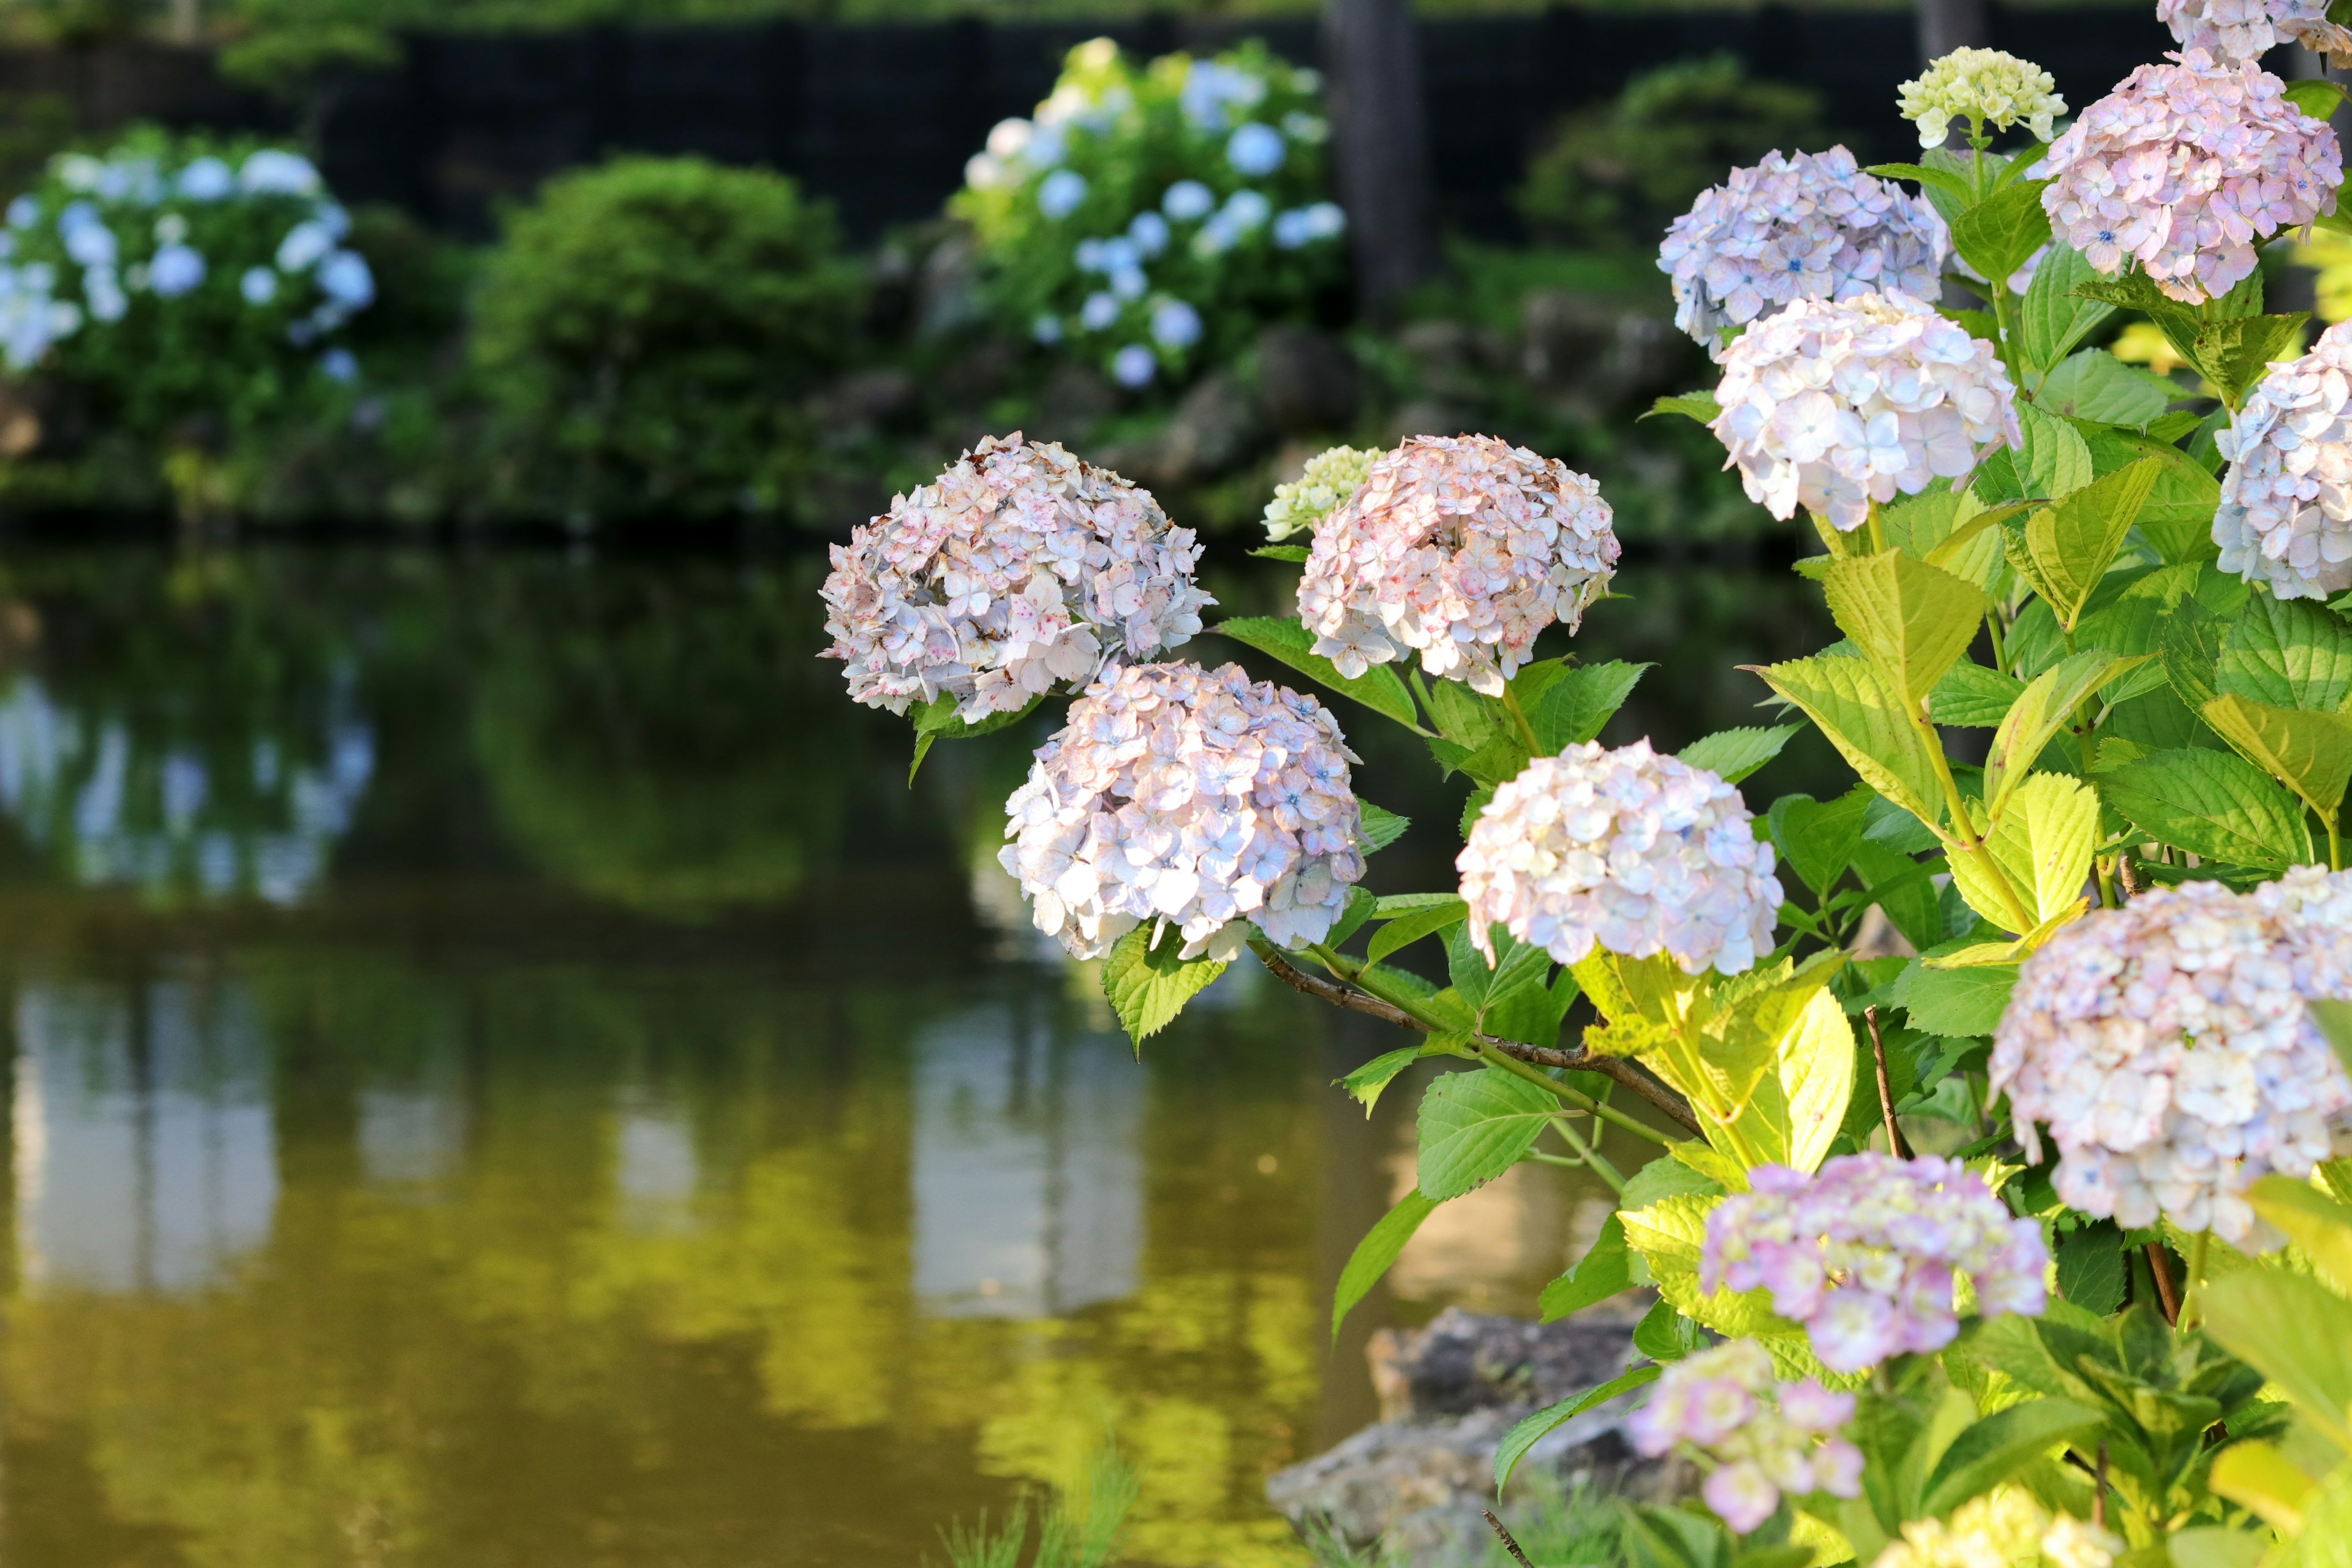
(2044, 840)
(1732, 754)
(2311, 754)
(1535, 1428)
(2289, 653)
(2242, 351)
(1381, 827)
(1959, 1002)
(2001, 1446)
(2315, 95)
(1971, 695)
(1359, 909)
(2319, 1226)
(2177, 519)
(1817, 838)
(2294, 1331)
(2215, 805)
(1845, 698)
(1576, 705)
(938, 722)
(2055, 461)
(1376, 1252)
(1912, 621)
(1149, 986)
(1603, 1271)
(1816, 1060)
(2096, 384)
(1365, 1084)
(1664, 1333)
(1410, 928)
(2042, 710)
(1944, 180)
(1282, 552)
(1475, 1126)
(2001, 234)
(1699, 406)
(2091, 1272)
(1287, 640)
(2054, 319)
(2063, 550)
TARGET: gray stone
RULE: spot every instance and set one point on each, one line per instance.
(1213, 431)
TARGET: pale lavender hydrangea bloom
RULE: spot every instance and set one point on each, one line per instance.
(1762, 1437)
(1192, 797)
(2183, 167)
(2248, 29)
(2168, 1047)
(1635, 853)
(1834, 405)
(1461, 549)
(1018, 568)
(1865, 1253)
(2285, 517)
(1813, 227)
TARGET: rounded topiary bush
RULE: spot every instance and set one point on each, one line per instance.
(649, 333)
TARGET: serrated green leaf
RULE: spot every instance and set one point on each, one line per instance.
(2177, 518)
(1817, 838)
(1845, 700)
(2091, 1272)
(936, 721)
(2311, 754)
(2316, 96)
(2065, 549)
(2001, 234)
(1381, 827)
(1282, 552)
(1732, 754)
(2054, 318)
(2044, 841)
(1959, 1002)
(1535, 1428)
(1410, 928)
(1911, 620)
(2094, 384)
(1699, 406)
(1816, 1058)
(1971, 695)
(1475, 1126)
(2214, 804)
(1149, 986)
(2040, 713)
(2002, 1446)
(1581, 702)
(1375, 1254)
(2319, 1226)
(1364, 1085)
(2289, 653)
(2235, 355)
(2054, 462)
(1290, 642)
(1943, 180)
(1605, 1269)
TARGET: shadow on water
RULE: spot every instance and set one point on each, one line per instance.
(506, 1072)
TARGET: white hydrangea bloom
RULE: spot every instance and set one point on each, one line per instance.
(1193, 797)
(1462, 548)
(1626, 849)
(1329, 479)
(2006, 1528)
(1813, 227)
(2232, 30)
(2285, 517)
(1984, 87)
(1017, 568)
(2168, 1047)
(2183, 167)
(1834, 405)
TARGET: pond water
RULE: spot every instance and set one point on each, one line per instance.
(504, 1072)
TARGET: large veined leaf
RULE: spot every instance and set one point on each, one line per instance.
(1972, 696)
(1844, 699)
(1287, 640)
(2044, 840)
(1816, 1072)
(1670, 1236)
(2215, 805)
(1475, 1126)
(2055, 318)
(1605, 1269)
(2096, 384)
(1817, 838)
(1911, 620)
(1375, 1254)
(2294, 1331)
(1732, 754)
(2000, 1447)
(2001, 234)
(2289, 653)
(1958, 1002)
(2037, 714)
(2177, 518)
(2311, 754)
(1381, 827)
(1413, 926)
(2055, 461)
(1147, 986)
(1575, 707)
(2065, 549)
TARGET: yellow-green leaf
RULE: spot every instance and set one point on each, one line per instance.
(2041, 847)
(2311, 754)
(1816, 1070)
(2037, 714)
(1912, 621)
(2260, 1478)
(2319, 1226)
(1845, 699)
(2065, 549)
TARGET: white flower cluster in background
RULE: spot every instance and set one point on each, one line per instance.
(1988, 89)
(1461, 550)
(2285, 517)
(1763, 1437)
(2006, 1528)
(2168, 1047)
(1813, 227)
(1635, 853)
(2233, 30)
(2183, 167)
(1192, 797)
(1834, 405)
(1866, 1252)
(1017, 569)
(1329, 479)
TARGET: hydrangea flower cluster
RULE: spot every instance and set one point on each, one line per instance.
(1866, 1252)
(1192, 797)
(2233, 30)
(2168, 1047)
(1635, 853)
(1832, 406)
(1330, 477)
(1461, 549)
(1813, 227)
(1990, 90)
(1142, 211)
(1763, 1437)
(2006, 1528)
(2183, 167)
(1017, 568)
(2285, 517)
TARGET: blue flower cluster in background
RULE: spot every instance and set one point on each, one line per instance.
(1153, 218)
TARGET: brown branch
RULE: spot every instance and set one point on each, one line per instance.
(2162, 1267)
(1894, 1144)
(1510, 1545)
(1617, 1068)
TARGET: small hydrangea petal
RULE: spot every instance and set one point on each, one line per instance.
(2248, 29)
(1759, 1437)
(2285, 517)
(1330, 480)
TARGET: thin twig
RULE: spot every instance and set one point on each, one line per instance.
(1510, 1545)
(1894, 1144)
(2099, 1496)
(2162, 1268)
(1618, 1068)
(2127, 873)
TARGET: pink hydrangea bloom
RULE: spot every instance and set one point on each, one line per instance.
(2285, 517)
(1760, 1437)
(2168, 1047)
(2249, 30)
(1018, 570)
(1626, 849)
(2183, 167)
(1834, 405)
(1193, 797)
(1461, 550)
(1865, 1253)
(1813, 227)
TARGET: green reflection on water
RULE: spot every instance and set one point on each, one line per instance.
(619, 1135)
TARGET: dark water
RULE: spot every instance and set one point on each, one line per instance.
(504, 1072)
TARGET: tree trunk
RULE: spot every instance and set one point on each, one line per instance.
(1948, 24)
(1380, 144)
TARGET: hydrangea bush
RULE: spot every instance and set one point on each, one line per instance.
(1150, 218)
(1992, 1116)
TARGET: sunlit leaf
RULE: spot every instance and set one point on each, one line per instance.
(1147, 986)
(1845, 699)
(1733, 754)
(1474, 1126)
(1535, 1428)
(2311, 754)
(2215, 805)
(1911, 620)
(1285, 639)
(1375, 1254)
(2065, 549)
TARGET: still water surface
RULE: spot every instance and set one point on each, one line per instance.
(506, 1073)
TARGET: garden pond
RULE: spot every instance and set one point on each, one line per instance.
(506, 1072)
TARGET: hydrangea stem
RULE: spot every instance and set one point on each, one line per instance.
(1590, 1153)
(1520, 717)
(2192, 1302)
(1582, 1101)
